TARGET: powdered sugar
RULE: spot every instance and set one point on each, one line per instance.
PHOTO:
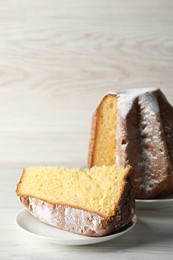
(127, 97)
(68, 218)
(82, 219)
(42, 210)
(152, 142)
(139, 117)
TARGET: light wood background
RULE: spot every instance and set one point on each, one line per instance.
(57, 60)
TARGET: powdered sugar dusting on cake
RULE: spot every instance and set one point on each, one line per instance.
(82, 219)
(126, 99)
(153, 166)
(154, 150)
(71, 219)
(42, 210)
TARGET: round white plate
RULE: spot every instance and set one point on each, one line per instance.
(166, 202)
(36, 228)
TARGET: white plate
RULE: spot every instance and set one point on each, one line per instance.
(166, 202)
(36, 228)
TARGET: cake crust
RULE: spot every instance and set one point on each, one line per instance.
(144, 139)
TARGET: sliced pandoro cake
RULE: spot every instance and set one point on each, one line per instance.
(92, 202)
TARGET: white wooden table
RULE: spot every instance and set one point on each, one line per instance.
(57, 60)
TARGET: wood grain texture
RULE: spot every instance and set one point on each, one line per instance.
(57, 60)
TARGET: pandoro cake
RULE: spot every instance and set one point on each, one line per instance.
(135, 127)
(92, 202)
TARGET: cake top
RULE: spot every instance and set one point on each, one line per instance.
(97, 190)
(127, 97)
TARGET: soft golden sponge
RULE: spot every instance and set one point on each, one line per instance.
(97, 190)
(102, 150)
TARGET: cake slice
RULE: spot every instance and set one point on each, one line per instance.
(92, 202)
(135, 127)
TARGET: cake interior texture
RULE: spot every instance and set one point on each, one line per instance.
(98, 189)
(105, 143)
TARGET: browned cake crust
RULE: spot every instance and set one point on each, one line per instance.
(144, 140)
(94, 132)
(93, 135)
(82, 221)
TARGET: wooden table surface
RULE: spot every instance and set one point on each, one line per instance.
(57, 60)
